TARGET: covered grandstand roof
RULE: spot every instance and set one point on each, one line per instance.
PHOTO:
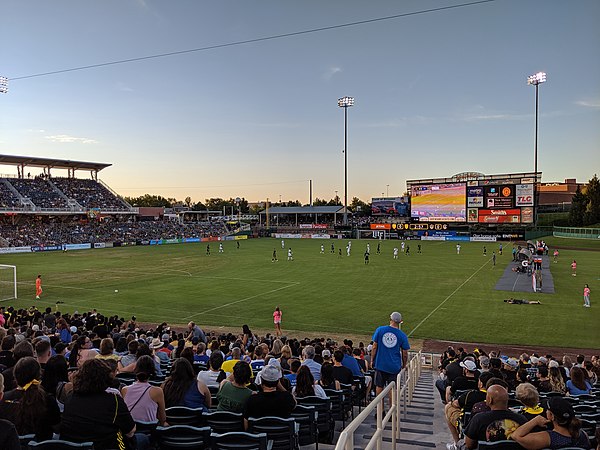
(304, 210)
(33, 161)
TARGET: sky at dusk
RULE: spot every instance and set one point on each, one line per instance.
(436, 92)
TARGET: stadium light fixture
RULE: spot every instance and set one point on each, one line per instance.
(345, 102)
(535, 80)
(3, 85)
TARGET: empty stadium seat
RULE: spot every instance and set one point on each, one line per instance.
(181, 415)
(180, 437)
(239, 441)
(281, 431)
(223, 421)
(58, 444)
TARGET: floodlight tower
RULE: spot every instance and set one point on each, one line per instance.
(346, 102)
(3, 85)
(535, 80)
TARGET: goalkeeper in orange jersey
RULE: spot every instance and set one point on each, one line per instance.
(38, 287)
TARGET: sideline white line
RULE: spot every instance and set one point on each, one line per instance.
(447, 298)
(240, 301)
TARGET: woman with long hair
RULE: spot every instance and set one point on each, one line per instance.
(578, 385)
(305, 385)
(276, 348)
(247, 337)
(94, 415)
(64, 331)
(327, 380)
(81, 351)
(28, 406)
(556, 380)
(286, 355)
(182, 388)
(566, 428)
(56, 378)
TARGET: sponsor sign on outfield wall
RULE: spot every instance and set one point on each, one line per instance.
(15, 249)
(524, 195)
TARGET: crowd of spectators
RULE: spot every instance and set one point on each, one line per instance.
(90, 194)
(8, 199)
(89, 377)
(537, 400)
(44, 232)
(39, 191)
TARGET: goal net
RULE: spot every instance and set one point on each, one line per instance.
(8, 282)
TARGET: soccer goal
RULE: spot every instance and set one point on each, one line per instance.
(8, 282)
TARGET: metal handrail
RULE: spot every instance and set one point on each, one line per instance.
(407, 380)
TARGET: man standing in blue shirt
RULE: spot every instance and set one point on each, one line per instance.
(390, 352)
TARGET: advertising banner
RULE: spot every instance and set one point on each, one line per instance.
(99, 245)
(78, 246)
(524, 195)
(527, 215)
(320, 236)
(474, 197)
(433, 238)
(502, 202)
(499, 216)
(390, 206)
(381, 226)
(482, 238)
(305, 225)
(46, 248)
(287, 236)
(186, 240)
(15, 249)
(473, 215)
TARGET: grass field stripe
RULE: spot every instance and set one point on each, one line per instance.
(447, 298)
(240, 301)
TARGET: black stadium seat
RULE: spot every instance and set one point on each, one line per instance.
(282, 432)
(223, 421)
(239, 441)
(183, 437)
(180, 415)
(58, 444)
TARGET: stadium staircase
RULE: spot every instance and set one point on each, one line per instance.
(422, 422)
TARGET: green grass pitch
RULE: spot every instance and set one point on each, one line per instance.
(441, 295)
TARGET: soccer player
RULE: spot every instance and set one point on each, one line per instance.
(368, 248)
(500, 249)
(238, 244)
(322, 249)
(220, 247)
(339, 253)
(402, 246)
(574, 268)
(333, 248)
(484, 251)
(418, 248)
(207, 249)
(458, 249)
(395, 252)
(290, 255)
(555, 254)
(407, 250)
(348, 249)
(282, 243)
(366, 257)
(274, 257)
(494, 258)
(38, 287)
(379, 248)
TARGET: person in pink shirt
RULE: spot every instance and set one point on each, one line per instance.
(586, 296)
(277, 321)
(574, 268)
(555, 255)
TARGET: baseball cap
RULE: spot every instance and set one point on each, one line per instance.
(326, 354)
(270, 373)
(396, 317)
(165, 337)
(534, 360)
(275, 363)
(469, 365)
(73, 329)
(512, 362)
(35, 328)
(561, 408)
(553, 363)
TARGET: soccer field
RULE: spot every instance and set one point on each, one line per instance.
(441, 295)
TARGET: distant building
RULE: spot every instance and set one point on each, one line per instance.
(558, 194)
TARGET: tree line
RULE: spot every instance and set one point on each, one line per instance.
(585, 205)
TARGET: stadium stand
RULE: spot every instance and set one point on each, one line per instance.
(90, 342)
(40, 191)
(90, 194)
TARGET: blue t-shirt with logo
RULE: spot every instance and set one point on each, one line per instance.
(390, 343)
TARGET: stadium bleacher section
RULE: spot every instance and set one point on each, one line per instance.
(87, 342)
(90, 194)
(40, 192)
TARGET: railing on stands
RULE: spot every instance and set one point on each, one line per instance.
(407, 380)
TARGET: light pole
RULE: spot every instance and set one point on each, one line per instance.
(345, 102)
(3, 85)
(535, 80)
(387, 190)
(237, 202)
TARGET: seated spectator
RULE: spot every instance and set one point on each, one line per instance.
(305, 385)
(43, 350)
(566, 429)
(286, 355)
(234, 393)
(294, 367)
(327, 380)
(29, 407)
(200, 355)
(528, 395)
(82, 351)
(214, 375)
(308, 355)
(236, 356)
(6, 354)
(556, 380)
(578, 385)
(146, 403)
(129, 358)
(466, 382)
(9, 438)
(341, 373)
(182, 388)
(543, 382)
(94, 415)
(22, 350)
(455, 409)
(107, 350)
(496, 425)
(55, 377)
(590, 375)
(272, 400)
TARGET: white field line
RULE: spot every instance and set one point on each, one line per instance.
(241, 300)
(188, 274)
(447, 298)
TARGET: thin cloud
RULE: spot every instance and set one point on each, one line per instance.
(594, 104)
(401, 122)
(483, 117)
(65, 138)
(330, 72)
(123, 87)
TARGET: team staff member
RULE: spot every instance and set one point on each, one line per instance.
(390, 352)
